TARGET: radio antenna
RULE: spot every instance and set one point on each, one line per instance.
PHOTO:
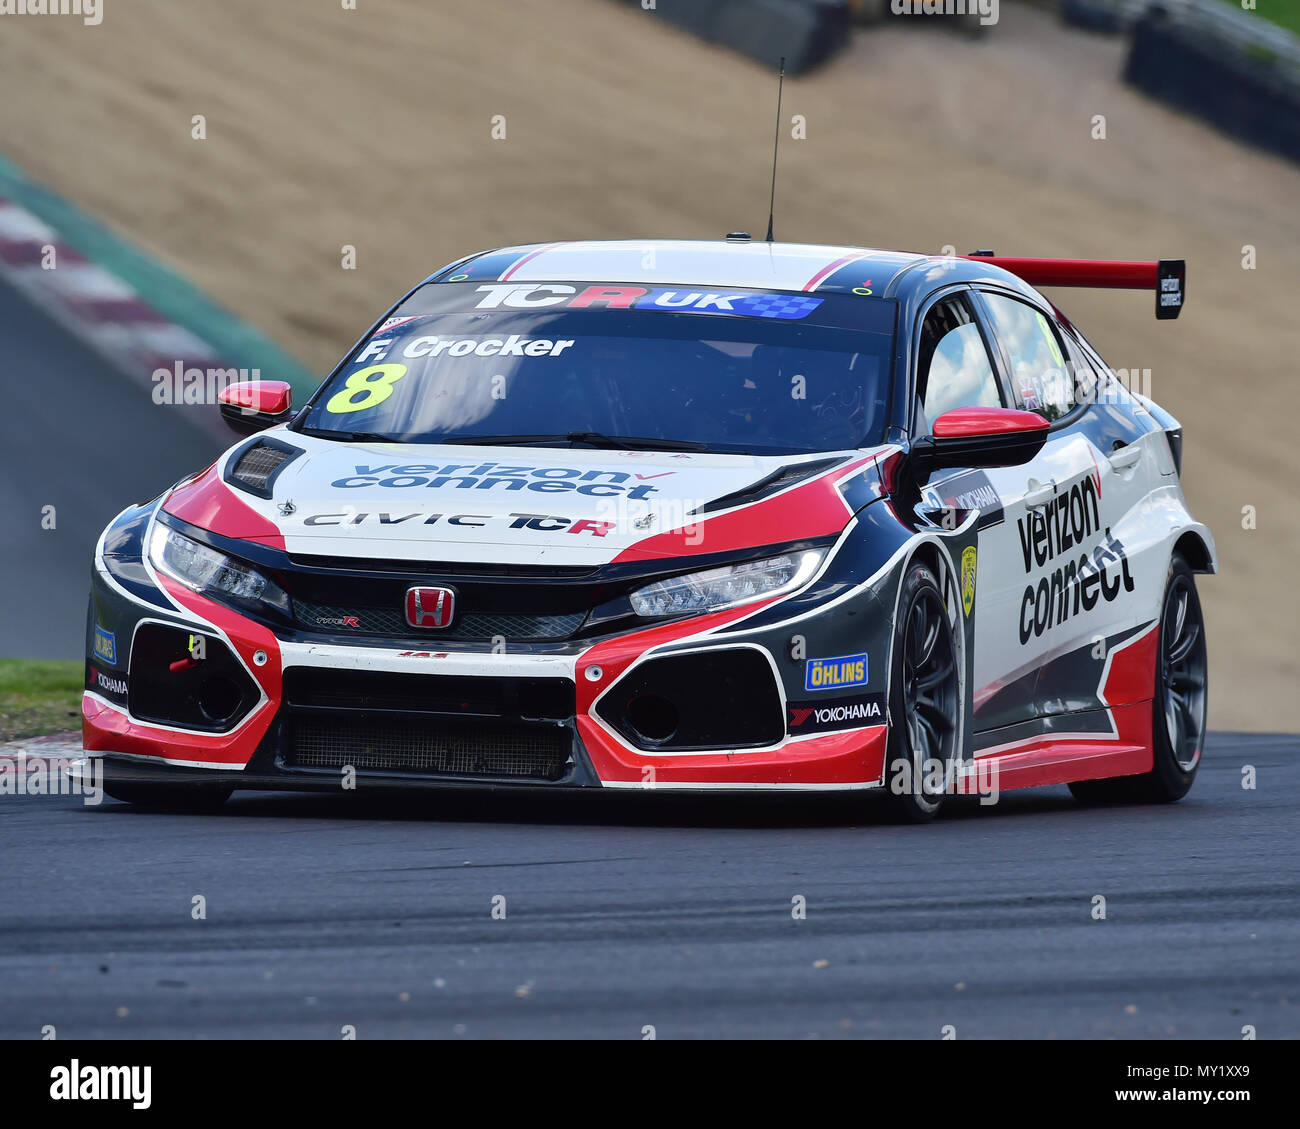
(776, 144)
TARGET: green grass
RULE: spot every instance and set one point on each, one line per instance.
(1284, 13)
(39, 697)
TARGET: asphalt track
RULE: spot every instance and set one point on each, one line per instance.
(621, 912)
(624, 912)
(80, 436)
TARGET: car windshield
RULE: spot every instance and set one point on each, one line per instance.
(564, 364)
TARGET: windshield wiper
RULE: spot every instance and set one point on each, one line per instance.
(591, 438)
(349, 436)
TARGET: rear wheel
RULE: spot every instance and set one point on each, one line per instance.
(1179, 710)
(924, 701)
(189, 798)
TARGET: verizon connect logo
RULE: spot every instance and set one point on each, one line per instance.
(102, 1083)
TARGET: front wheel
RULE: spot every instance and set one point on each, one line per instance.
(1180, 707)
(924, 700)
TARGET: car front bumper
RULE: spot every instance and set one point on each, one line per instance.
(264, 708)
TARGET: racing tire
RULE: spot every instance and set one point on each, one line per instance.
(182, 799)
(924, 701)
(1179, 709)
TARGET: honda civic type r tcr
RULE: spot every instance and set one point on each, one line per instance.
(724, 516)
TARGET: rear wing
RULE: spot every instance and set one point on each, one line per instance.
(1167, 277)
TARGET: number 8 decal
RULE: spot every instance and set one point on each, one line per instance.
(374, 384)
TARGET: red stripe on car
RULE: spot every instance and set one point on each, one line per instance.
(510, 270)
(812, 509)
(830, 268)
(206, 501)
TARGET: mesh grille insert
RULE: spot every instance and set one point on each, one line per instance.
(257, 464)
(432, 748)
(392, 621)
(508, 698)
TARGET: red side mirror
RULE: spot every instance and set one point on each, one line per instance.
(973, 423)
(255, 405)
(982, 437)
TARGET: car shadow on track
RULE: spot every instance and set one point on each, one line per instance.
(611, 809)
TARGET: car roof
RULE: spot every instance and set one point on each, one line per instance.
(749, 263)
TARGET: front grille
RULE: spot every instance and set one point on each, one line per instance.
(431, 747)
(392, 621)
(548, 699)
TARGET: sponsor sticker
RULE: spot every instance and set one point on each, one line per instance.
(833, 674)
(515, 345)
(500, 477)
(105, 645)
(528, 296)
(1053, 543)
(541, 523)
(836, 713)
(969, 558)
(106, 684)
(393, 323)
(969, 490)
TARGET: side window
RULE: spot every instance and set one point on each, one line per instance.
(1087, 376)
(953, 368)
(1041, 376)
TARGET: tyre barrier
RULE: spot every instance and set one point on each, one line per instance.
(1110, 17)
(804, 32)
(1248, 95)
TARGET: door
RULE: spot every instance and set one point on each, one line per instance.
(958, 365)
(1075, 509)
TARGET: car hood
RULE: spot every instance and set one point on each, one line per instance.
(517, 505)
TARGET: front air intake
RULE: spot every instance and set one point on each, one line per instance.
(722, 698)
(254, 469)
(175, 682)
(430, 748)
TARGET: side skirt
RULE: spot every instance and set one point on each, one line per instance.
(1074, 748)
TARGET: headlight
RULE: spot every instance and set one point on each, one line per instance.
(731, 584)
(211, 572)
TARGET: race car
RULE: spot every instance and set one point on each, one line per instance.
(680, 516)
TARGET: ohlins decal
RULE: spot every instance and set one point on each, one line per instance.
(105, 645)
(1065, 523)
(831, 674)
(497, 476)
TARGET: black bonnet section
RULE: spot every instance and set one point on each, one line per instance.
(778, 480)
